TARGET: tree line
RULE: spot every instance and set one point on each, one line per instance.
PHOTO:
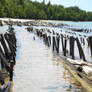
(26, 9)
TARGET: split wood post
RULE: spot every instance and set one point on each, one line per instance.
(82, 56)
(4, 46)
(12, 48)
(2, 63)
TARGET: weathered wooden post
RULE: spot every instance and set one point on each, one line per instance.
(49, 41)
(11, 72)
(45, 39)
(64, 44)
(72, 47)
(2, 64)
(12, 48)
(83, 41)
(82, 56)
(90, 43)
(53, 43)
(5, 62)
(58, 41)
(4, 46)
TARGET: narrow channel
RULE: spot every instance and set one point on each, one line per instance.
(38, 69)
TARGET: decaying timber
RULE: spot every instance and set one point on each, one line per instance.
(7, 58)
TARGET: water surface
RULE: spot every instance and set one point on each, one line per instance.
(38, 69)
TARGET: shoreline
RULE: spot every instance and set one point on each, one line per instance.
(22, 20)
(71, 25)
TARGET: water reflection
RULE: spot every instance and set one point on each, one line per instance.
(38, 69)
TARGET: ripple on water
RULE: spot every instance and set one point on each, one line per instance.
(38, 69)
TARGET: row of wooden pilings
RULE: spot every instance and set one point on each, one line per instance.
(7, 55)
(52, 39)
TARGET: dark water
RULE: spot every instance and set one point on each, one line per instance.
(38, 69)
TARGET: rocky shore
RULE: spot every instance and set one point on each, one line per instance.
(25, 22)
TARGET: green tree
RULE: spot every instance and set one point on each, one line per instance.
(34, 10)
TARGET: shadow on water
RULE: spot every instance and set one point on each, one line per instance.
(38, 69)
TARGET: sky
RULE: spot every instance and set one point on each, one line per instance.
(82, 4)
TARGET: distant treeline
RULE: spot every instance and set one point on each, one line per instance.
(27, 9)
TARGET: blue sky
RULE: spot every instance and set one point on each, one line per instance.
(83, 4)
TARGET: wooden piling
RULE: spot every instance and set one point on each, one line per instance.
(90, 44)
(82, 56)
(64, 44)
(2, 63)
(49, 41)
(5, 62)
(11, 72)
(53, 43)
(4, 46)
(58, 42)
(72, 47)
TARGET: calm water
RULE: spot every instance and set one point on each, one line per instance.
(38, 69)
(84, 25)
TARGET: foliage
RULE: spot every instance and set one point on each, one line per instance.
(33, 10)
